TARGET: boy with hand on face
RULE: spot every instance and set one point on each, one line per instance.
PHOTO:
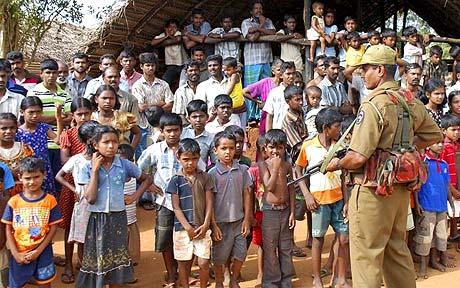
(225, 117)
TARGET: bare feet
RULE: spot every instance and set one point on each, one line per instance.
(219, 285)
(446, 261)
(234, 284)
(342, 284)
(317, 283)
(438, 266)
(422, 275)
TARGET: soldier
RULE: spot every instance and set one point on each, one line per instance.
(378, 224)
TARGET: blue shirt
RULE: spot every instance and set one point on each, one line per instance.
(8, 180)
(10, 85)
(111, 183)
(433, 195)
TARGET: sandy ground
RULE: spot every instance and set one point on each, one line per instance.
(150, 269)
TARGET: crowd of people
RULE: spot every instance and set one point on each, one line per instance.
(82, 153)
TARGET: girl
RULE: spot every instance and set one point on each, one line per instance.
(12, 152)
(106, 258)
(35, 134)
(70, 145)
(435, 98)
(107, 103)
(316, 31)
(454, 103)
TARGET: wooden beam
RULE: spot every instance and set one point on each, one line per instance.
(138, 28)
(382, 14)
(307, 23)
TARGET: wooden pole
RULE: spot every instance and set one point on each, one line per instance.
(382, 14)
(307, 22)
(395, 20)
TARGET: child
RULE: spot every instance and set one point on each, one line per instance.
(12, 152)
(235, 88)
(192, 193)
(355, 50)
(161, 158)
(454, 52)
(197, 115)
(325, 197)
(278, 205)
(389, 38)
(107, 103)
(298, 80)
(450, 125)
(153, 115)
(223, 105)
(313, 99)
(80, 214)
(238, 132)
(453, 100)
(134, 238)
(316, 32)
(293, 123)
(291, 52)
(435, 98)
(434, 67)
(106, 259)
(373, 38)
(31, 217)
(413, 50)
(81, 110)
(231, 223)
(35, 134)
(431, 206)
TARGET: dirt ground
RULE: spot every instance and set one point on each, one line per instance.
(150, 269)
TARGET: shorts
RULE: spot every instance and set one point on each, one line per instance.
(328, 214)
(410, 220)
(232, 244)
(164, 229)
(431, 233)
(457, 209)
(257, 230)
(42, 271)
(184, 248)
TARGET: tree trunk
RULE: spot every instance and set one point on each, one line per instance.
(8, 28)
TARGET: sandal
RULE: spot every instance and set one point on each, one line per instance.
(298, 253)
(325, 272)
(59, 261)
(169, 285)
(148, 206)
(67, 278)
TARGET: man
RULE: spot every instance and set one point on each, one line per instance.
(198, 55)
(128, 75)
(319, 69)
(257, 55)
(413, 76)
(106, 61)
(195, 33)
(276, 105)
(357, 90)
(128, 102)
(333, 92)
(79, 79)
(20, 75)
(150, 91)
(224, 47)
(10, 102)
(186, 93)
(378, 230)
(63, 75)
(215, 85)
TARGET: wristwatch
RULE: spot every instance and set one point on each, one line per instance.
(222, 35)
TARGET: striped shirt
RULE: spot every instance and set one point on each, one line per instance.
(206, 142)
(448, 155)
(160, 160)
(130, 189)
(76, 87)
(256, 52)
(294, 126)
(11, 103)
(227, 48)
(332, 94)
(183, 95)
(49, 100)
(92, 87)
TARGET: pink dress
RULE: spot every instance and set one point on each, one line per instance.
(261, 88)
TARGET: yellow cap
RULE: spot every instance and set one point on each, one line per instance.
(378, 55)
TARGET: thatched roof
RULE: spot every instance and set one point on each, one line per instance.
(133, 23)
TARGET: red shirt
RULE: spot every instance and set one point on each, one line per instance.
(448, 155)
(69, 140)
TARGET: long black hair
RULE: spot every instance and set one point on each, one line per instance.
(85, 135)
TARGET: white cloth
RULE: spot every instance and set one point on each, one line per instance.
(276, 105)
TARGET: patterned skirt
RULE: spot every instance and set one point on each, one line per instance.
(106, 258)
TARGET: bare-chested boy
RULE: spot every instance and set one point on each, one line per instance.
(278, 212)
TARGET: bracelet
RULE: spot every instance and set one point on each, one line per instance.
(222, 36)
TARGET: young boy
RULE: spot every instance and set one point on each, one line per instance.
(192, 198)
(238, 132)
(313, 98)
(434, 67)
(373, 37)
(222, 35)
(326, 197)
(355, 50)
(31, 219)
(413, 50)
(128, 75)
(291, 52)
(450, 125)
(389, 38)
(231, 223)
(431, 206)
(293, 123)
(278, 205)
(160, 158)
(197, 116)
(126, 151)
(225, 117)
(235, 88)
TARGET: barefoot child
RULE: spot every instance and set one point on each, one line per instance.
(106, 258)
(235, 88)
(431, 206)
(316, 32)
(231, 223)
(278, 205)
(238, 132)
(31, 217)
(192, 193)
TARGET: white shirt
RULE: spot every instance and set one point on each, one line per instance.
(174, 54)
(209, 89)
(11, 103)
(455, 87)
(358, 84)
(92, 87)
(214, 127)
(276, 105)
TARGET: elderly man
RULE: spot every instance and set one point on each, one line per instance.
(378, 223)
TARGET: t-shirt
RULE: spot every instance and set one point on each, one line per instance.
(237, 95)
(354, 56)
(31, 219)
(433, 194)
(330, 50)
(174, 54)
(74, 166)
(192, 197)
(291, 52)
(276, 105)
(8, 179)
(130, 189)
(413, 54)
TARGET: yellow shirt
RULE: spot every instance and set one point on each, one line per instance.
(237, 95)
(354, 56)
